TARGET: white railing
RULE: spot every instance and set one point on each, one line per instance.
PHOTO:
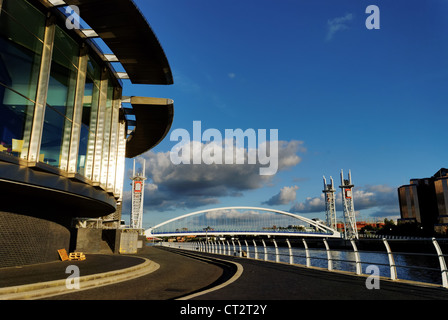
(327, 256)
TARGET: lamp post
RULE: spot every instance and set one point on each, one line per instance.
(206, 237)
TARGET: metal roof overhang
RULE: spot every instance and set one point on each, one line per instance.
(124, 29)
(154, 117)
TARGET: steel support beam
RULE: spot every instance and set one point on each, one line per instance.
(114, 136)
(121, 153)
(33, 141)
(99, 129)
(75, 135)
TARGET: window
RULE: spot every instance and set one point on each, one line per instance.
(89, 115)
(20, 55)
(60, 99)
(107, 132)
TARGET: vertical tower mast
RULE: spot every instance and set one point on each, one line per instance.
(330, 204)
(346, 186)
(138, 183)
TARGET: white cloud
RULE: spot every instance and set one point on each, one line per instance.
(285, 196)
(233, 214)
(310, 205)
(338, 24)
(171, 186)
(382, 199)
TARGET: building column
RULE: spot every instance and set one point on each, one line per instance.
(121, 155)
(72, 156)
(111, 173)
(106, 137)
(99, 130)
(35, 124)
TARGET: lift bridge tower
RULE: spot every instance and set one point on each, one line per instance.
(351, 232)
(138, 183)
(330, 203)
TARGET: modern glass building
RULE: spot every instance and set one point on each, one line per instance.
(65, 126)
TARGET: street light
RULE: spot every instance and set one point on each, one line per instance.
(206, 237)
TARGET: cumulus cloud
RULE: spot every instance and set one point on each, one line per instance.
(224, 215)
(381, 198)
(190, 186)
(338, 24)
(310, 205)
(285, 196)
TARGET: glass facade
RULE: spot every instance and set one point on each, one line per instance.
(89, 114)
(58, 100)
(425, 201)
(441, 187)
(409, 203)
(20, 58)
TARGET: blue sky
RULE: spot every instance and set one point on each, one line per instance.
(340, 95)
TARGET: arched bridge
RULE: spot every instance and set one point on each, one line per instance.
(241, 221)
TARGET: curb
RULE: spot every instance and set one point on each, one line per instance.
(58, 287)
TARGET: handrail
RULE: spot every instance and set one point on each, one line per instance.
(330, 258)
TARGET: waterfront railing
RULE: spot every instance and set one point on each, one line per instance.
(426, 267)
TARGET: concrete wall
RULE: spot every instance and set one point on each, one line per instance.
(28, 240)
(97, 241)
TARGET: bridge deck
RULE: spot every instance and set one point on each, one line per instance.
(219, 233)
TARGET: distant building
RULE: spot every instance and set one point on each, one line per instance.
(361, 224)
(425, 201)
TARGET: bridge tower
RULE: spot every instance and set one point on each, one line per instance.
(351, 232)
(330, 203)
(138, 183)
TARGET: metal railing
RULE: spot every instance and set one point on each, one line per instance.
(326, 255)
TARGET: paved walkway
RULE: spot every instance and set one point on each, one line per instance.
(176, 276)
(153, 275)
(51, 271)
(262, 280)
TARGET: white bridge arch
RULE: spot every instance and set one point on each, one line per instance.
(226, 221)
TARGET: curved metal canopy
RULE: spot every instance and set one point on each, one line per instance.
(124, 29)
(153, 120)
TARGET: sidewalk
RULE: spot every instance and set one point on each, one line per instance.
(47, 279)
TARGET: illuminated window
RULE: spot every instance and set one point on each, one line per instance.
(60, 99)
(20, 55)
